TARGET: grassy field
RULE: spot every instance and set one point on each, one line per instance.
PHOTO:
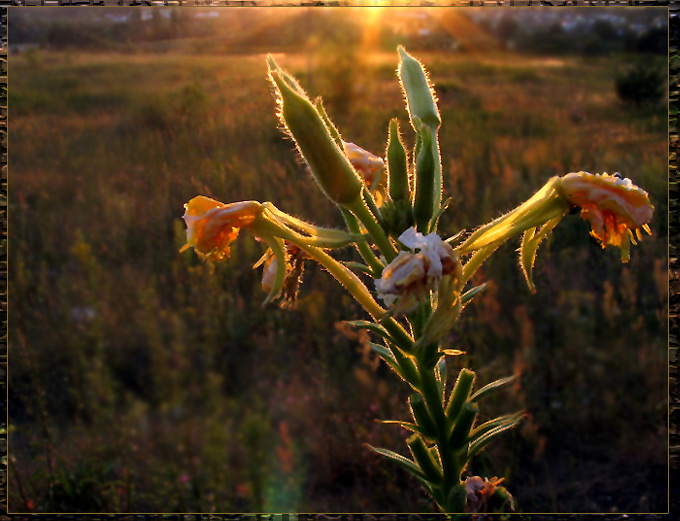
(141, 382)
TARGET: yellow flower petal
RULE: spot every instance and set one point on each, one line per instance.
(212, 226)
(614, 206)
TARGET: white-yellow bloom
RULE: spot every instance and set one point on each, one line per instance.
(411, 276)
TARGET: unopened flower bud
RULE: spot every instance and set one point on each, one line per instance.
(328, 164)
(420, 96)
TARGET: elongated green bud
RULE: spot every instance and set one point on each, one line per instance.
(422, 416)
(423, 207)
(327, 162)
(397, 165)
(420, 96)
(424, 458)
(461, 431)
(460, 393)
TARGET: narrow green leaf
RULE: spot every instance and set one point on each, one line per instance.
(400, 460)
(441, 210)
(382, 351)
(405, 425)
(470, 294)
(496, 422)
(482, 441)
(491, 387)
(358, 266)
(371, 326)
(388, 357)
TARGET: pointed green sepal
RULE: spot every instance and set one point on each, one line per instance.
(278, 248)
(530, 243)
(423, 206)
(332, 129)
(397, 165)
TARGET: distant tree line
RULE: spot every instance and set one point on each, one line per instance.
(599, 38)
(97, 28)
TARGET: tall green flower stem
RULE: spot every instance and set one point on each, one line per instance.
(358, 207)
(363, 248)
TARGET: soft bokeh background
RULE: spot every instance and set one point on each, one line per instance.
(141, 382)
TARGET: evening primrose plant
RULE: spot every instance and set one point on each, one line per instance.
(411, 282)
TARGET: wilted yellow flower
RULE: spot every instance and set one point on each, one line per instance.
(371, 168)
(212, 226)
(614, 206)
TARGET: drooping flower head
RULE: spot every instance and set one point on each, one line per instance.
(212, 226)
(411, 276)
(613, 205)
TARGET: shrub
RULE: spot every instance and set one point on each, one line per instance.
(641, 85)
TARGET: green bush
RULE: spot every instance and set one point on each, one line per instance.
(641, 85)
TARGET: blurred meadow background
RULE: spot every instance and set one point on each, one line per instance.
(141, 382)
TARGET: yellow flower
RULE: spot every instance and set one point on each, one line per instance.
(212, 226)
(614, 206)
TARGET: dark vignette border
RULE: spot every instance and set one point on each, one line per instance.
(3, 252)
(674, 266)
